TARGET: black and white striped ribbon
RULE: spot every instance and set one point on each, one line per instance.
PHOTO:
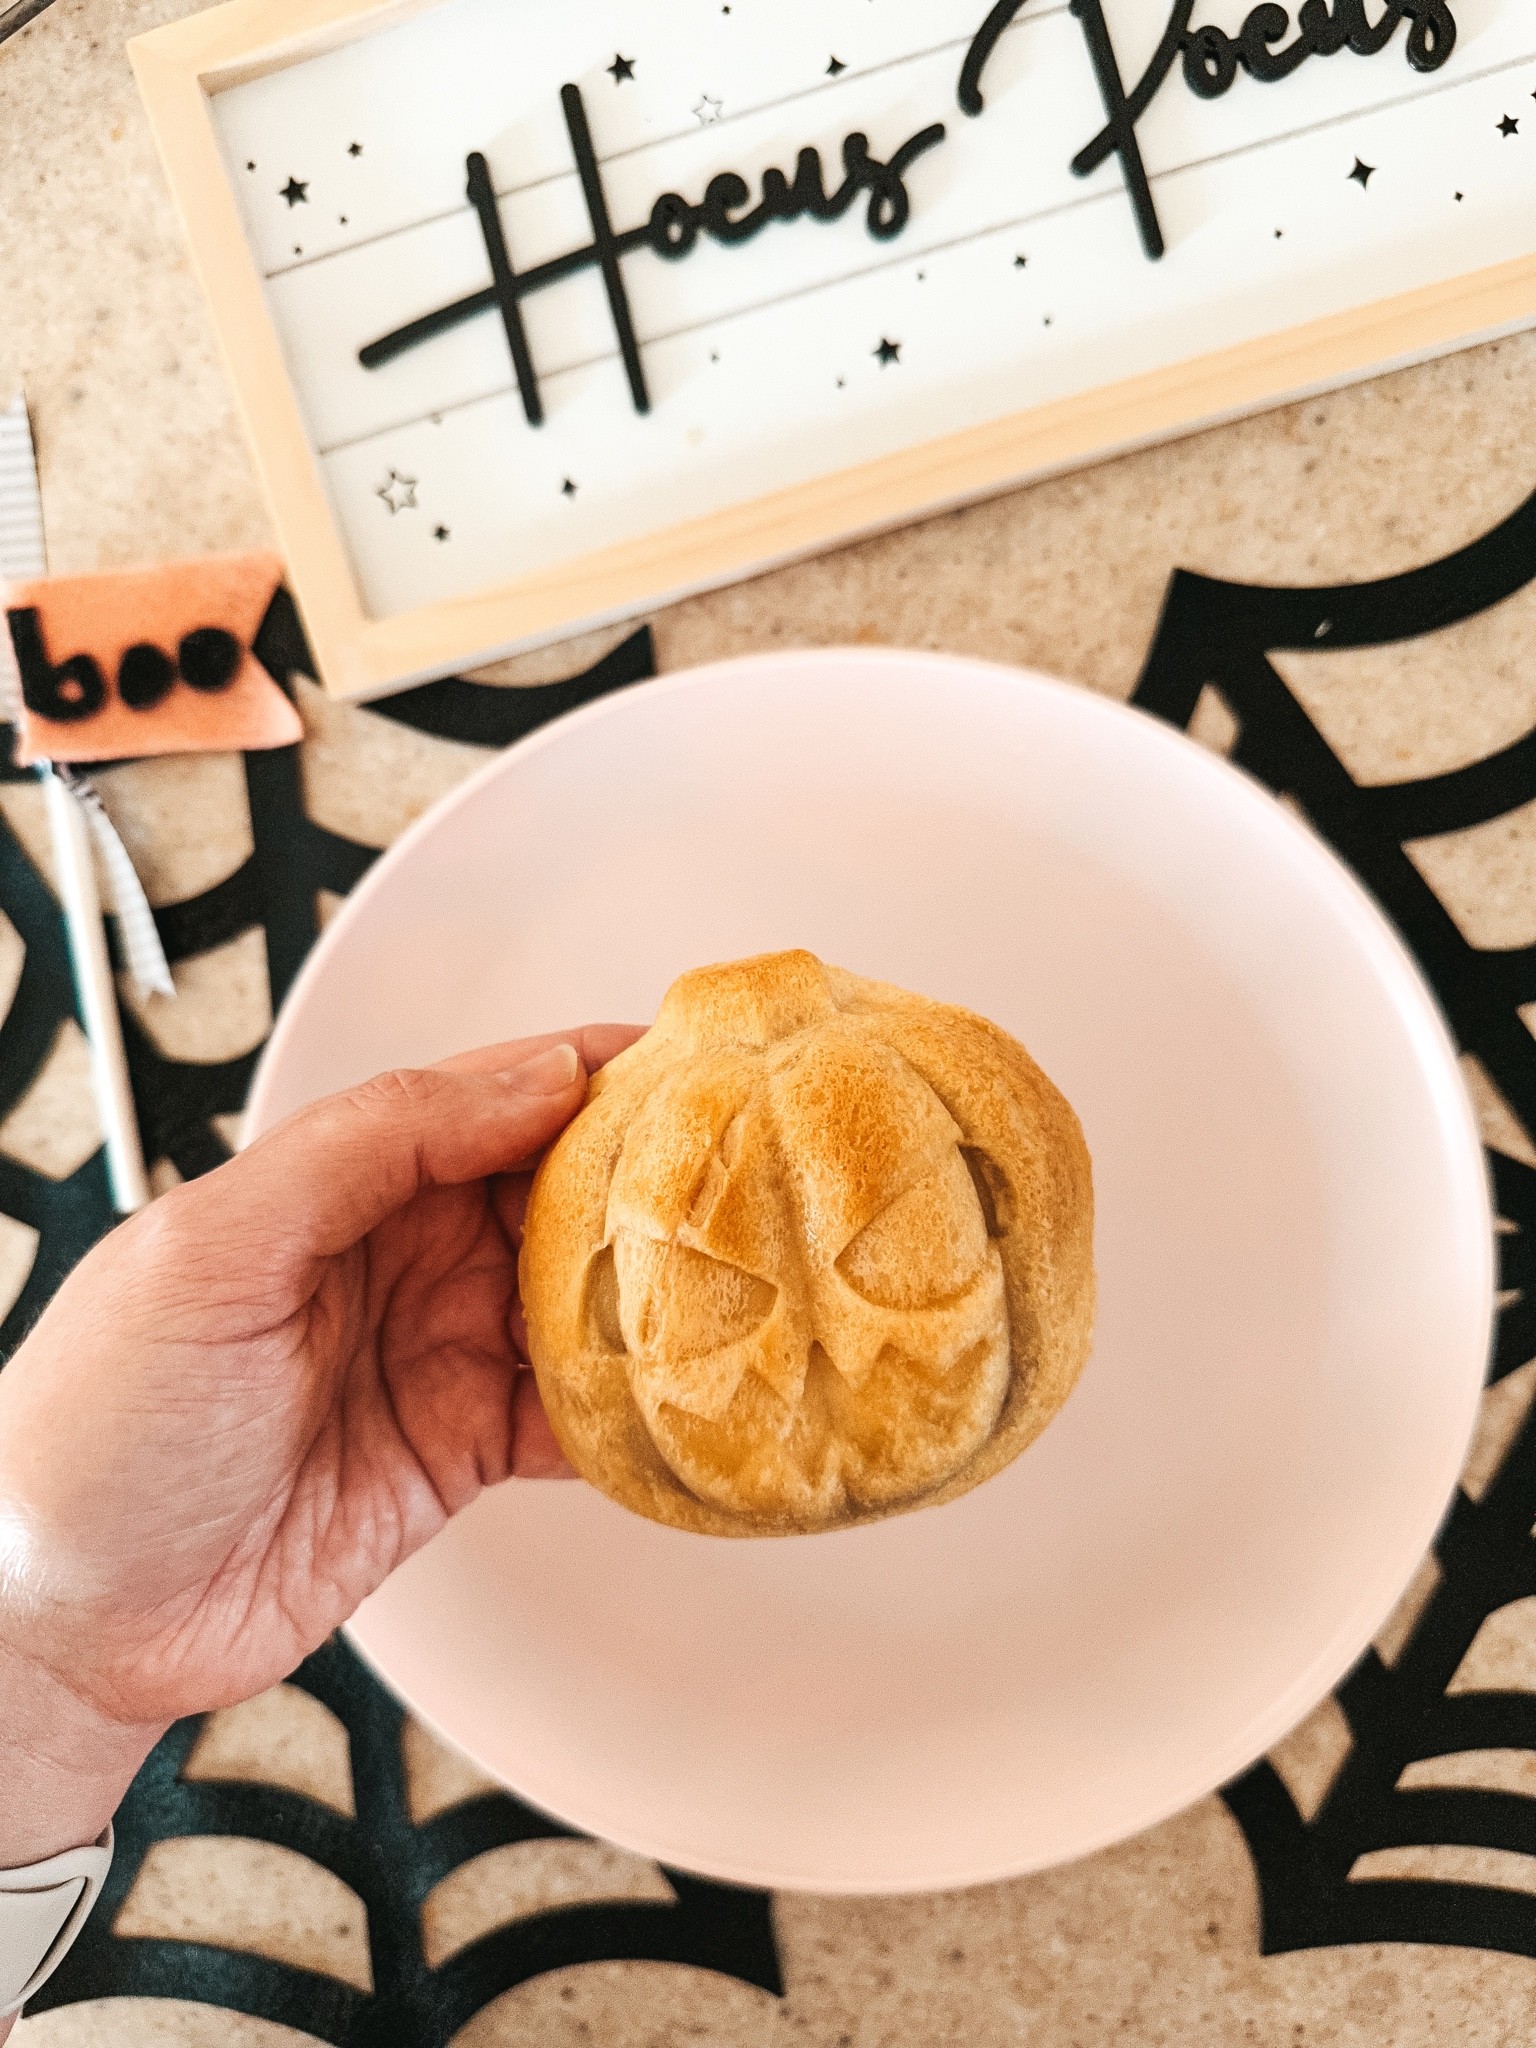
(24, 556)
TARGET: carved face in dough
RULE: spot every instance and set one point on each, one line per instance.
(816, 1250)
(804, 1324)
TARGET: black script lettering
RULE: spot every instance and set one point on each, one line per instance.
(509, 287)
(1325, 28)
(979, 55)
(890, 204)
(1211, 61)
(804, 198)
(503, 294)
(1433, 35)
(808, 194)
(605, 243)
(672, 231)
(722, 194)
(1118, 136)
(1264, 27)
(674, 227)
(1212, 57)
(1366, 38)
(675, 223)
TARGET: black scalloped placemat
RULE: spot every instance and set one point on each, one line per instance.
(1222, 635)
(390, 1862)
(1215, 635)
(18, 14)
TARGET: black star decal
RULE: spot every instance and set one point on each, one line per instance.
(354, 149)
(1458, 198)
(836, 68)
(398, 492)
(1508, 126)
(439, 533)
(295, 190)
(251, 165)
(1021, 262)
(569, 488)
(888, 352)
(1363, 173)
(621, 68)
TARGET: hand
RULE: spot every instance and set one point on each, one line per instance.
(255, 1400)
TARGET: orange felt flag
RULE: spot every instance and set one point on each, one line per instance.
(147, 661)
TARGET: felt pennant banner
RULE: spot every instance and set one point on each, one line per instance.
(147, 661)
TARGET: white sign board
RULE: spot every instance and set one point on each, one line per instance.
(573, 307)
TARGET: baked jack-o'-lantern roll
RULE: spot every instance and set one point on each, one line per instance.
(815, 1251)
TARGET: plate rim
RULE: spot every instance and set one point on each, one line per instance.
(1392, 964)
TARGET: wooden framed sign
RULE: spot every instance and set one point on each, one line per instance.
(540, 314)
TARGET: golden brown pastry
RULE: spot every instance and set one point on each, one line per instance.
(815, 1251)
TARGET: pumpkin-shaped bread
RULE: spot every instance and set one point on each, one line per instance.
(815, 1251)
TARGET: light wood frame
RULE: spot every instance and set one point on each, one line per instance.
(180, 67)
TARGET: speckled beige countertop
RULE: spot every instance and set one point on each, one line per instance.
(1154, 1942)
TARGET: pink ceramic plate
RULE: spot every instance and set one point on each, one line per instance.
(1294, 1248)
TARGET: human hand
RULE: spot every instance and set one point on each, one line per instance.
(255, 1400)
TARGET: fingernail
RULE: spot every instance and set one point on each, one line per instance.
(547, 1073)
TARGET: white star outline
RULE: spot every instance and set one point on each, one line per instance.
(398, 493)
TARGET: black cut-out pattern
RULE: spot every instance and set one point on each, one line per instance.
(19, 14)
(68, 1215)
(1222, 635)
(390, 1863)
(1215, 634)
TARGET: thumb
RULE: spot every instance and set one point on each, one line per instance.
(331, 1173)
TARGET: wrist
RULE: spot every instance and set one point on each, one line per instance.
(64, 1764)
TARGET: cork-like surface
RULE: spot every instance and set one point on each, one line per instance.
(1154, 1942)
